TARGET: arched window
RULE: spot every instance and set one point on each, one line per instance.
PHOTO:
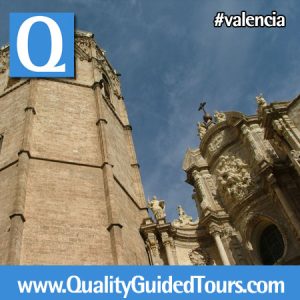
(271, 245)
(106, 86)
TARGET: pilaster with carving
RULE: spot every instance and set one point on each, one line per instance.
(152, 246)
(284, 127)
(168, 243)
(251, 143)
(283, 200)
(281, 130)
(206, 191)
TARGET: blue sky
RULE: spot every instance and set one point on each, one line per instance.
(171, 57)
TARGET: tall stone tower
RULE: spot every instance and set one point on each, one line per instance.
(70, 187)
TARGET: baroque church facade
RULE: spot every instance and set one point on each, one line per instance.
(246, 179)
(71, 192)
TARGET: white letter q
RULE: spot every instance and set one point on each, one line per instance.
(56, 45)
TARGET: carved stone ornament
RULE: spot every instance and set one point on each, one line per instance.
(100, 53)
(183, 218)
(233, 178)
(4, 59)
(157, 207)
(260, 100)
(219, 117)
(104, 67)
(201, 130)
(201, 190)
(199, 257)
(84, 44)
(216, 142)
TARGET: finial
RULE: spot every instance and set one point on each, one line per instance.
(201, 107)
(183, 218)
(206, 117)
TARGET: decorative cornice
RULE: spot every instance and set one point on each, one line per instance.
(216, 217)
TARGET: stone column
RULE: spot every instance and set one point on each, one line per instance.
(216, 233)
(167, 241)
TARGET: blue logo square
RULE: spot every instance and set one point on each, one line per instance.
(41, 45)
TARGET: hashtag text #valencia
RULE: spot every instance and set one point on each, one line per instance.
(244, 20)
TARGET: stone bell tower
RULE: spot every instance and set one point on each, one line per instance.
(70, 185)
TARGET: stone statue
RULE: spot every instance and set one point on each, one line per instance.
(233, 177)
(219, 117)
(183, 218)
(260, 100)
(157, 207)
(201, 129)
